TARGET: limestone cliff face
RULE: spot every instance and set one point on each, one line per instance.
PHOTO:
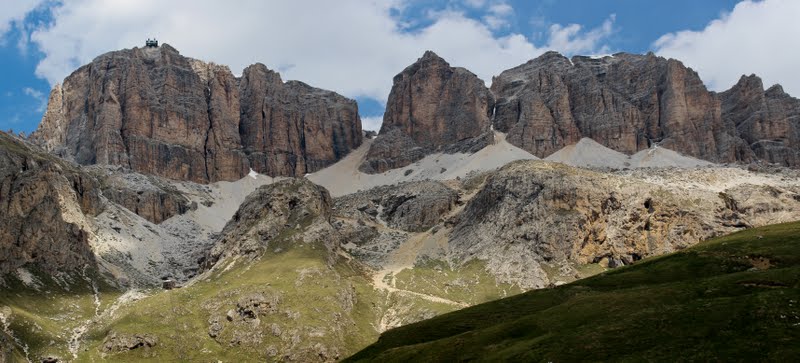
(160, 113)
(432, 107)
(292, 128)
(626, 102)
(40, 200)
(769, 121)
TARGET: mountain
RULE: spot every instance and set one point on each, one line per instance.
(765, 119)
(629, 102)
(167, 210)
(157, 112)
(432, 107)
(734, 297)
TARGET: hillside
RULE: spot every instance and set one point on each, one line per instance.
(735, 296)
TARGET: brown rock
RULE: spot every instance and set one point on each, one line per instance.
(292, 128)
(628, 102)
(118, 342)
(432, 108)
(157, 112)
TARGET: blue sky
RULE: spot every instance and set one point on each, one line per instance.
(357, 46)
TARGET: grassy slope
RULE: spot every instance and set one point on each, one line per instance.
(717, 300)
(310, 314)
(179, 319)
(469, 284)
(44, 318)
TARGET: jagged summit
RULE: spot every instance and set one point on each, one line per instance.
(432, 107)
(628, 102)
(157, 112)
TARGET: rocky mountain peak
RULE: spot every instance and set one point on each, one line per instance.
(157, 112)
(260, 70)
(629, 102)
(432, 107)
(776, 91)
(751, 82)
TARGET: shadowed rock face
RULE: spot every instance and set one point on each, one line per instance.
(40, 198)
(160, 113)
(148, 196)
(411, 207)
(628, 102)
(432, 108)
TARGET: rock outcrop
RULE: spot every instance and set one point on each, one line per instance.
(532, 212)
(116, 342)
(432, 107)
(291, 128)
(274, 217)
(411, 207)
(40, 200)
(628, 102)
(145, 195)
(160, 113)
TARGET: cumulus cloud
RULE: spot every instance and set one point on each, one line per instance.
(572, 39)
(349, 46)
(755, 37)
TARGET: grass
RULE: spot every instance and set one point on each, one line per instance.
(734, 298)
(43, 318)
(470, 284)
(313, 308)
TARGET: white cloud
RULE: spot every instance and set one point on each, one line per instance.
(498, 16)
(572, 39)
(32, 92)
(350, 46)
(755, 37)
(477, 4)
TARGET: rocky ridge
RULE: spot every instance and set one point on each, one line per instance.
(625, 102)
(157, 112)
(629, 102)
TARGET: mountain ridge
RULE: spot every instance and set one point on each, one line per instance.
(157, 112)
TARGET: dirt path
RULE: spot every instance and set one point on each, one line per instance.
(400, 259)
